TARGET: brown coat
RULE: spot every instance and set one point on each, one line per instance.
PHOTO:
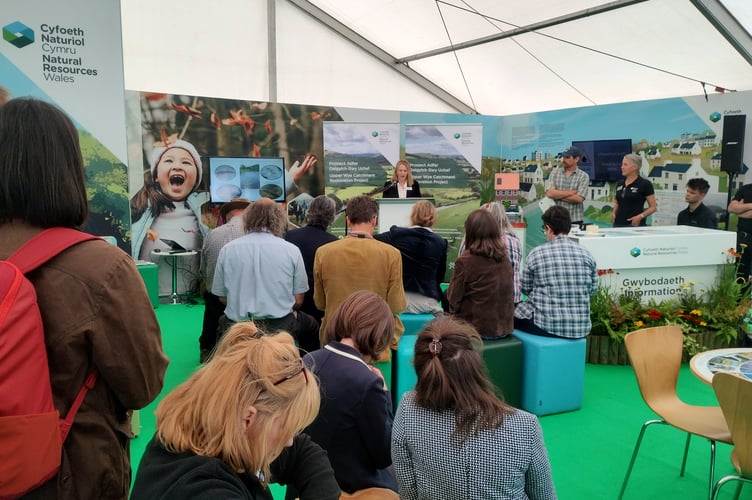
(96, 314)
(482, 293)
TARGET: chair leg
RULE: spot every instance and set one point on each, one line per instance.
(738, 490)
(684, 459)
(634, 453)
(712, 468)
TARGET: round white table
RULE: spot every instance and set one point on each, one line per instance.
(736, 360)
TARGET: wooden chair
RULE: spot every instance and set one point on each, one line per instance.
(735, 395)
(656, 355)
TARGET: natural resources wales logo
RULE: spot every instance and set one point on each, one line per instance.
(18, 34)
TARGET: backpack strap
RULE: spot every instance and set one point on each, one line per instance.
(32, 254)
(67, 422)
(45, 246)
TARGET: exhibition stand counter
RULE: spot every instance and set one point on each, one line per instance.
(657, 262)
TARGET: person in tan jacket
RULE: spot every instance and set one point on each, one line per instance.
(359, 262)
(95, 309)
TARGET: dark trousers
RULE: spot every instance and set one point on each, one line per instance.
(213, 309)
(528, 326)
(300, 325)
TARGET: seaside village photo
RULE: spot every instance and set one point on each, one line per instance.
(426, 249)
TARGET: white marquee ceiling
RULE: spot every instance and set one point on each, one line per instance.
(496, 57)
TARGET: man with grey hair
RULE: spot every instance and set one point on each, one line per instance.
(261, 277)
(308, 239)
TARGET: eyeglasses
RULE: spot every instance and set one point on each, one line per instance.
(292, 375)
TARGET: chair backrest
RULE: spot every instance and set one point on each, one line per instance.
(656, 355)
(734, 393)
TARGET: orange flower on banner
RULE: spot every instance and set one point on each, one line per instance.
(268, 125)
(165, 139)
(256, 151)
(258, 106)
(315, 115)
(215, 121)
(181, 108)
(154, 96)
(240, 118)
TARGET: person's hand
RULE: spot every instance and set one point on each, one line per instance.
(298, 169)
(381, 375)
(152, 235)
(635, 221)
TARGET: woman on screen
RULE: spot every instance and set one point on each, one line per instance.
(402, 184)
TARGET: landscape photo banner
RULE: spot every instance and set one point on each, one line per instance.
(444, 155)
(361, 154)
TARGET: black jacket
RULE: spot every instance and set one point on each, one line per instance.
(166, 475)
(424, 257)
(392, 192)
(308, 239)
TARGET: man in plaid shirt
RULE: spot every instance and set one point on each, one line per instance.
(568, 184)
(558, 279)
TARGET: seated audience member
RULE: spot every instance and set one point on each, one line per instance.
(481, 290)
(511, 241)
(402, 184)
(559, 277)
(424, 256)
(359, 262)
(354, 424)
(697, 213)
(262, 278)
(308, 239)
(232, 214)
(453, 438)
(229, 439)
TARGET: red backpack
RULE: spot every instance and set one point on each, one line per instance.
(31, 430)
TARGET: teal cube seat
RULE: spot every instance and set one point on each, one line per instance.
(404, 377)
(149, 272)
(553, 373)
(503, 359)
(414, 323)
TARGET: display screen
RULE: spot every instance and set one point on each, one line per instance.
(602, 159)
(252, 178)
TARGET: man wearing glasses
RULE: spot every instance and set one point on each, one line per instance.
(568, 184)
(559, 277)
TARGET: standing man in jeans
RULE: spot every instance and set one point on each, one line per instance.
(568, 184)
(262, 278)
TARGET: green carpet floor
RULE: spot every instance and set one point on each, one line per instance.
(589, 449)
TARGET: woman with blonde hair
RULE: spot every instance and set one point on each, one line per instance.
(218, 432)
(424, 257)
(454, 438)
(354, 425)
(402, 184)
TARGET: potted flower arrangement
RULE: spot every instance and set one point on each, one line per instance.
(710, 318)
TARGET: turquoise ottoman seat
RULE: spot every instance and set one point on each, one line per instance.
(553, 373)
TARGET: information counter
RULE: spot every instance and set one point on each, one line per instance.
(658, 262)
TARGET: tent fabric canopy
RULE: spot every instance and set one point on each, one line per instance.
(468, 56)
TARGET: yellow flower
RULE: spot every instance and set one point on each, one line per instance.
(639, 324)
(696, 312)
(702, 323)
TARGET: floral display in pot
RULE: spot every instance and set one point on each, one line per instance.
(710, 319)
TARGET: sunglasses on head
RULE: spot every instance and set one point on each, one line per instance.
(292, 375)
